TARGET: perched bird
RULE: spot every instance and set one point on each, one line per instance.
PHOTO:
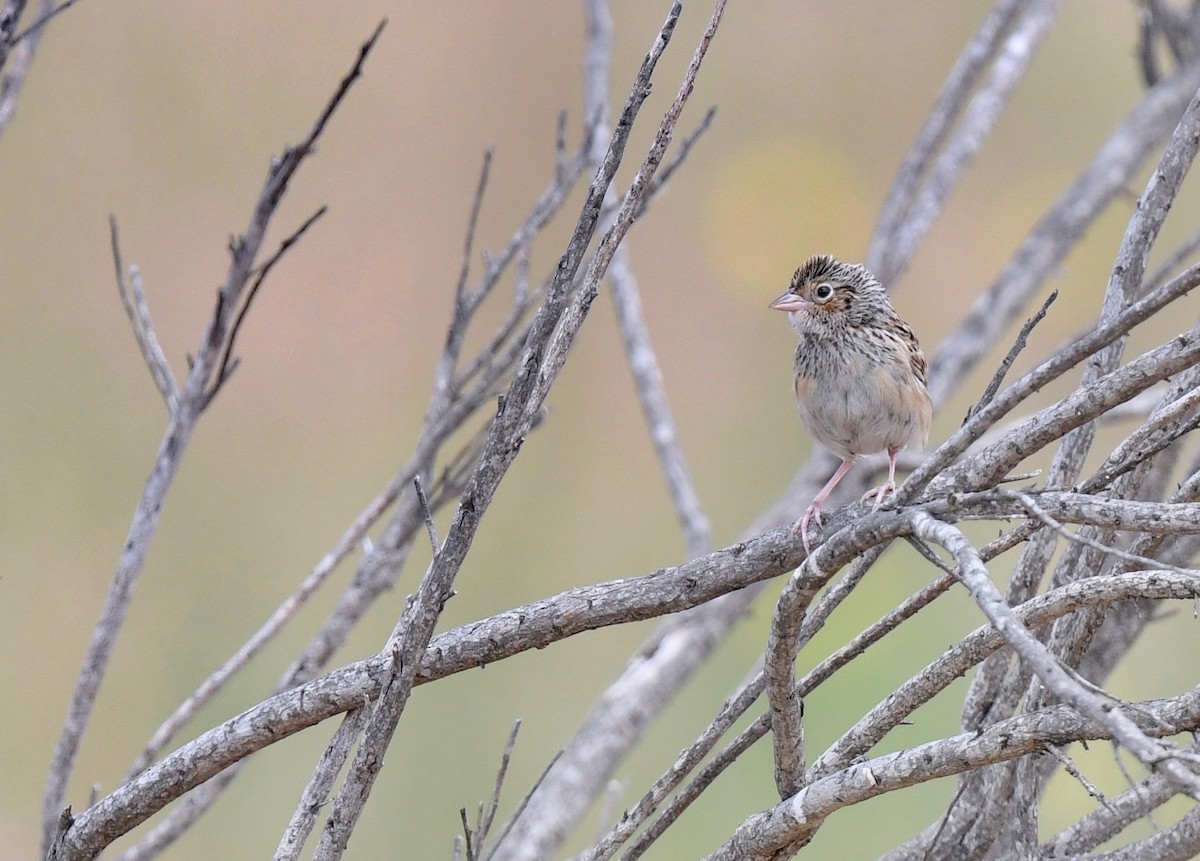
(860, 373)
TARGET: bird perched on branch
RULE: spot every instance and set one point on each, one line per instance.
(860, 373)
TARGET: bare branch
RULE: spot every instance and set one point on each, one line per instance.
(1011, 356)
(1038, 512)
(1031, 23)
(1058, 230)
(787, 708)
(138, 312)
(316, 792)
(1106, 822)
(635, 335)
(761, 834)
(960, 82)
(1044, 664)
(192, 398)
(12, 82)
(1048, 371)
(568, 788)
(225, 367)
(41, 22)
(468, 839)
(426, 514)
(202, 385)
(487, 815)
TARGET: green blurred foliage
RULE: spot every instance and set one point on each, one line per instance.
(166, 115)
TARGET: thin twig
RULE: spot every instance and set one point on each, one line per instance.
(1072, 769)
(214, 355)
(473, 224)
(1037, 511)
(42, 21)
(138, 311)
(468, 837)
(484, 826)
(13, 82)
(516, 817)
(427, 514)
(224, 367)
(465, 303)
(1011, 356)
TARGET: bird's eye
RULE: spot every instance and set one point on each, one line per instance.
(823, 292)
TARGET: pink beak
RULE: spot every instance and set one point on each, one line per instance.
(789, 301)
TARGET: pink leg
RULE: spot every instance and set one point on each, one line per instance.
(888, 486)
(814, 510)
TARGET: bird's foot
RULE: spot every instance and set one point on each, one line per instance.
(813, 512)
(879, 493)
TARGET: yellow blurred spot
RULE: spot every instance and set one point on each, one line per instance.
(773, 204)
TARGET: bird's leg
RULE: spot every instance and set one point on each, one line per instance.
(814, 509)
(888, 486)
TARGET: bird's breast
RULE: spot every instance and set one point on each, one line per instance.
(858, 401)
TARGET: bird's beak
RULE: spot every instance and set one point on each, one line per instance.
(789, 301)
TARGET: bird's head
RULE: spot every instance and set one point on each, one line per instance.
(828, 292)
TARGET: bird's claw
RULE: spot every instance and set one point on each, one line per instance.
(879, 493)
(813, 512)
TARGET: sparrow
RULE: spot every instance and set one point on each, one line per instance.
(860, 374)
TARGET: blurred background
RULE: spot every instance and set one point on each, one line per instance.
(166, 115)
